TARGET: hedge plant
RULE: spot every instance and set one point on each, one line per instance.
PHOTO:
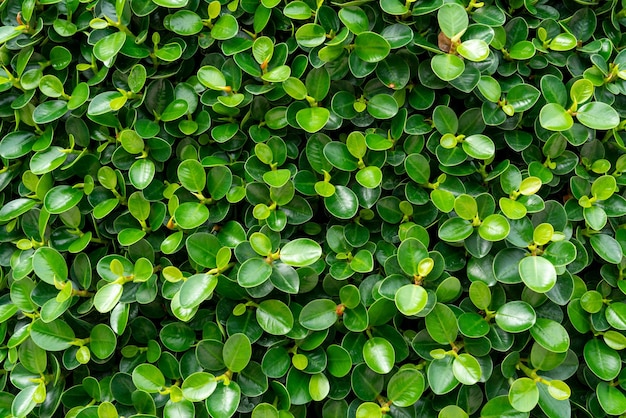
(310, 208)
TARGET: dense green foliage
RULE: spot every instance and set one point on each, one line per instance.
(337, 209)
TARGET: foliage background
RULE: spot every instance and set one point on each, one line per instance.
(290, 208)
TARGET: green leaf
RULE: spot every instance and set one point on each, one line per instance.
(581, 91)
(343, 204)
(447, 66)
(148, 377)
(406, 387)
(107, 48)
(355, 19)
(141, 173)
(253, 272)
(607, 248)
(313, 119)
(466, 369)
(603, 361)
(62, 198)
(473, 49)
(411, 299)
(237, 352)
(453, 20)
(494, 227)
(103, 341)
(524, 394)
(501, 407)
(537, 273)
(49, 111)
(379, 355)
(603, 187)
(190, 215)
(196, 289)
(522, 97)
(318, 315)
(455, 229)
(52, 336)
(107, 297)
(522, 50)
(554, 117)
(274, 317)
(198, 386)
(224, 401)
(300, 252)
(171, 3)
(184, 22)
(382, 106)
(550, 335)
(49, 265)
(371, 47)
(225, 27)
(211, 77)
(441, 324)
(515, 316)
(479, 146)
(611, 399)
(598, 115)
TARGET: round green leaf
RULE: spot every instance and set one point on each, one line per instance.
(300, 252)
(411, 299)
(524, 394)
(479, 146)
(379, 355)
(49, 265)
(237, 352)
(441, 324)
(141, 173)
(198, 386)
(224, 401)
(344, 204)
(371, 47)
(190, 215)
(313, 119)
(453, 20)
(253, 272)
(103, 341)
(318, 315)
(62, 198)
(107, 297)
(554, 117)
(515, 316)
(406, 387)
(466, 369)
(607, 248)
(474, 50)
(550, 335)
(274, 317)
(382, 106)
(537, 273)
(494, 227)
(148, 377)
(598, 115)
(225, 27)
(522, 97)
(603, 361)
(447, 66)
(52, 336)
(611, 399)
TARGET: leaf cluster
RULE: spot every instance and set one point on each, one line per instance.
(282, 209)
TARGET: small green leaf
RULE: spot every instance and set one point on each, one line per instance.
(537, 273)
(379, 355)
(237, 352)
(524, 394)
(447, 67)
